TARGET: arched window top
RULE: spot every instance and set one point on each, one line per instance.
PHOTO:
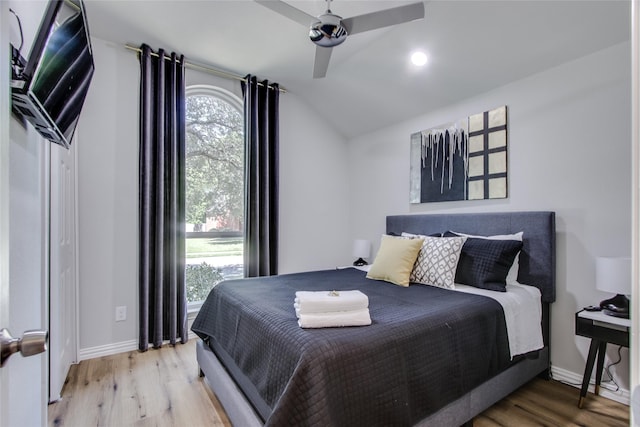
(216, 92)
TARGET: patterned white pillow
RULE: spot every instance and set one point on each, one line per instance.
(437, 261)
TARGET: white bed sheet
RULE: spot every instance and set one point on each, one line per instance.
(522, 312)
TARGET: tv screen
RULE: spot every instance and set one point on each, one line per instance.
(55, 81)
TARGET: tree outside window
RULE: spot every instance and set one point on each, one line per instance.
(214, 189)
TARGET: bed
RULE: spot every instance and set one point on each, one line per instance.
(265, 370)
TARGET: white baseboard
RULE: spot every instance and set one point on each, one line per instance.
(115, 348)
(607, 389)
(107, 349)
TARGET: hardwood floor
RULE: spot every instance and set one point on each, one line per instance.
(154, 388)
(162, 388)
(551, 403)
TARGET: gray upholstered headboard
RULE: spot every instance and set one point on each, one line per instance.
(538, 255)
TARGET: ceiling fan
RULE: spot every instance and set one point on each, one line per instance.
(329, 30)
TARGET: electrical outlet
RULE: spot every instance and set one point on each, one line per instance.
(121, 313)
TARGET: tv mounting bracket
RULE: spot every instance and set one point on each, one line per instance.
(18, 64)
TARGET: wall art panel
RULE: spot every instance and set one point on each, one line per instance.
(461, 160)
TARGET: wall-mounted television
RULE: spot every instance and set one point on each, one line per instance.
(52, 88)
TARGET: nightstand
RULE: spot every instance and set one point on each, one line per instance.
(602, 329)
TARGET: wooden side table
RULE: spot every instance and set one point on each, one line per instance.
(602, 329)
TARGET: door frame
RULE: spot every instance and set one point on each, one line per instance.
(47, 172)
(635, 210)
(76, 243)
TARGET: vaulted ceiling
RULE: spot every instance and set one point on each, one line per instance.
(472, 46)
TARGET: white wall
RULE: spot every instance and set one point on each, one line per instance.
(313, 201)
(107, 199)
(314, 189)
(569, 151)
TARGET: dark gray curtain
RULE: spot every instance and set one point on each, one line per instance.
(261, 177)
(163, 304)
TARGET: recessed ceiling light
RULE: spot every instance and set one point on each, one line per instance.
(419, 58)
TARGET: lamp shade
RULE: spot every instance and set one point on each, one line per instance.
(613, 275)
(361, 248)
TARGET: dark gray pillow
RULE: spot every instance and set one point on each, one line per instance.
(485, 263)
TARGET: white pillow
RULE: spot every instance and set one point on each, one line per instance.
(415, 236)
(512, 276)
(437, 260)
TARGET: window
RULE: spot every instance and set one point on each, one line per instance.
(214, 189)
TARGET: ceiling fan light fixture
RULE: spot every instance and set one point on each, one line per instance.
(328, 31)
(419, 58)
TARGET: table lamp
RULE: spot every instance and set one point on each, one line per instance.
(614, 275)
(361, 250)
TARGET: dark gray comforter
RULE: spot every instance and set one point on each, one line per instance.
(426, 347)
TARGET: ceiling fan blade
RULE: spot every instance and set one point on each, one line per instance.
(323, 55)
(288, 11)
(384, 18)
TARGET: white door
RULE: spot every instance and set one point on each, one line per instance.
(62, 290)
(4, 205)
(22, 255)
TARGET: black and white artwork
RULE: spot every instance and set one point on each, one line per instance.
(461, 160)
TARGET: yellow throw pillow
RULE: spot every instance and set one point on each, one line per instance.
(395, 260)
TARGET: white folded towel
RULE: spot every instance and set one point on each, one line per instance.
(329, 301)
(336, 319)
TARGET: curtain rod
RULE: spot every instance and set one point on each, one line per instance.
(206, 69)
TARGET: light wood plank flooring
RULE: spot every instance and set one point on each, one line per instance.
(162, 388)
